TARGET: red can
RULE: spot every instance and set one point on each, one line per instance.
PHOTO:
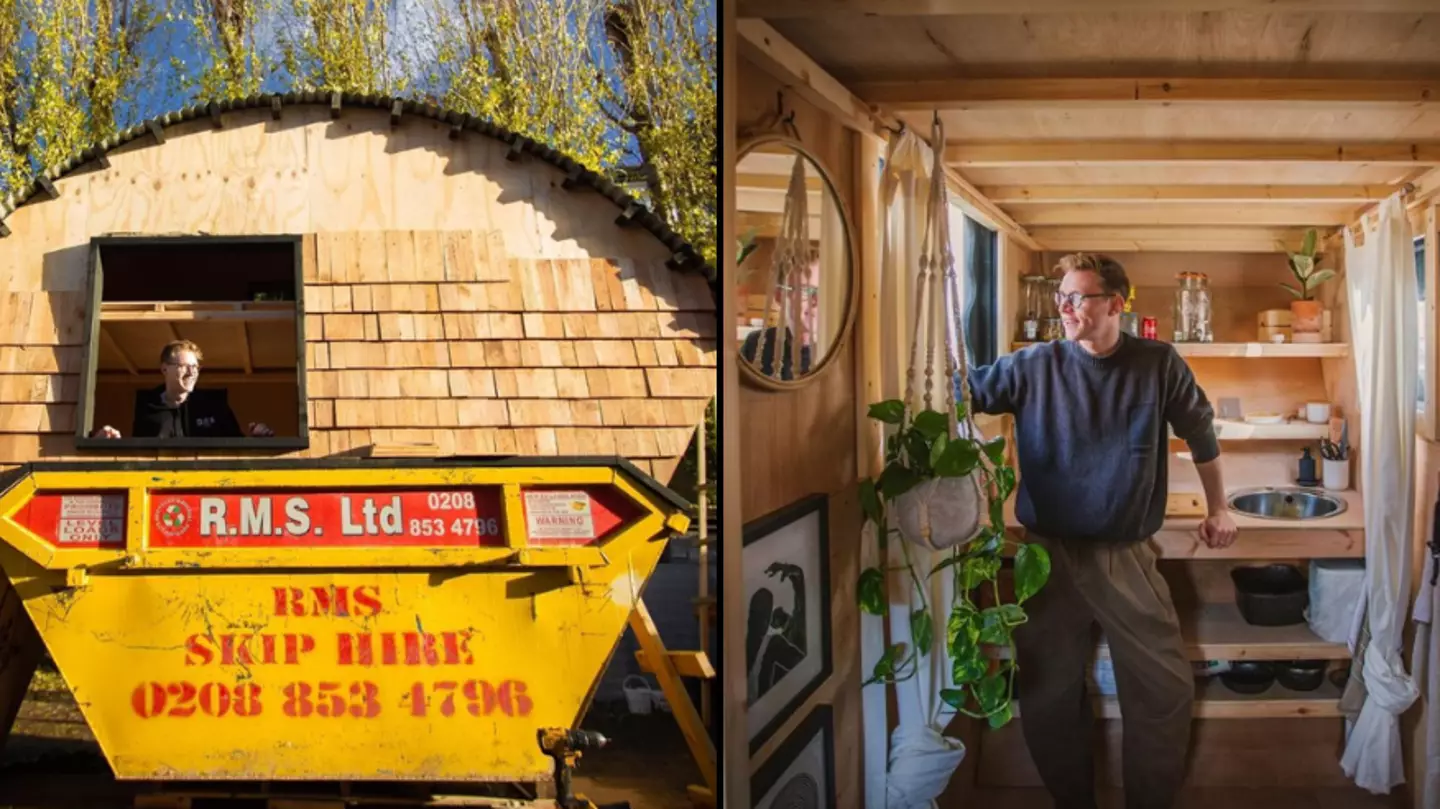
(1147, 328)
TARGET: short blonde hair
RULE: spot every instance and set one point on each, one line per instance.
(167, 354)
(1112, 275)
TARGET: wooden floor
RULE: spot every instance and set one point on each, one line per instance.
(1207, 798)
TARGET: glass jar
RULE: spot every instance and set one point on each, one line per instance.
(1192, 308)
(1036, 291)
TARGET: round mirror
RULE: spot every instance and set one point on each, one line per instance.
(795, 285)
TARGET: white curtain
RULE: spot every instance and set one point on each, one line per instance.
(1380, 280)
(912, 767)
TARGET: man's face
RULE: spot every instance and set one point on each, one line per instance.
(182, 371)
(1085, 318)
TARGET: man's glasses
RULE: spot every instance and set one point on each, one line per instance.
(186, 369)
(1075, 299)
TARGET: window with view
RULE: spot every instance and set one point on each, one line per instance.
(195, 342)
(976, 260)
(1420, 286)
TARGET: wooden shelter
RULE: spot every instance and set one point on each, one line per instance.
(364, 275)
(1185, 136)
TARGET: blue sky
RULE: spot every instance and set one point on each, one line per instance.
(159, 92)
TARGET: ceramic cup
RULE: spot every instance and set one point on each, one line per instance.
(1317, 412)
(1336, 475)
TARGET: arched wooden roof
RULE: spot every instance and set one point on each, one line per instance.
(684, 257)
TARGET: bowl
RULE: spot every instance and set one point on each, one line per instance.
(1301, 675)
(1271, 595)
(1248, 676)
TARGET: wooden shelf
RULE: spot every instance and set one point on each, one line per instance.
(1227, 430)
(1214, 701)
(1266, 350)
(1218, 632)
(1263, 349)
(237, 311)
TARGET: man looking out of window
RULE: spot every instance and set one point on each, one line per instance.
(177, 410)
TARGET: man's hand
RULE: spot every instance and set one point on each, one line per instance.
(259, 430)
(1218, 530)
(105, 432)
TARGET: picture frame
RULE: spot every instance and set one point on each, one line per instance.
(786, 562)
(801, 773)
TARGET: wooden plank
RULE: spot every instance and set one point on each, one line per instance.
(841, 9)
(1218, 632)
(976, 154)
(1265, 544)
(1214, 701)
(1238, 214)
(687, 664)
(1173, 239)
(702, 748)
(973, 93)
(1105, 194)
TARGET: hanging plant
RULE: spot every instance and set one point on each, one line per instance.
(920, 450)
(944, 488)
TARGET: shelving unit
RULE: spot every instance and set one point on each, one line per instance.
(1259, 350)
(1218, 632)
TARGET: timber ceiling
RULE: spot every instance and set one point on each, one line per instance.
(1254, 117)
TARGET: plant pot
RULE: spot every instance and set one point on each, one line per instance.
(942, 513)
(1307, 317)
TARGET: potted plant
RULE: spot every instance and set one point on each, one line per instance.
(925, 451)
(1307, 314)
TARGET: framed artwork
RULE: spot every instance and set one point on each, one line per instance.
(786, 560)
(801, 773)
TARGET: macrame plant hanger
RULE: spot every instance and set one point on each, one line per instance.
(943, 511)
(787, 271)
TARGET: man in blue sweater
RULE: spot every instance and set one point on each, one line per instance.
(1091, 414)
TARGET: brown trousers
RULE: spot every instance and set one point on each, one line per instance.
(1119, 587)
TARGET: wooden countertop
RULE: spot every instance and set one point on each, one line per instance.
(1341, 536)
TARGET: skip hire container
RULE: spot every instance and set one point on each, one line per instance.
(355, 620)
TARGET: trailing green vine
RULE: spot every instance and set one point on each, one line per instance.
(921, 449)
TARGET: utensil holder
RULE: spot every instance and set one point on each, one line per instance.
(1336, 475)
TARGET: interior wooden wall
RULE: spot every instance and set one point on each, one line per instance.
(452, 296)
(798, 443)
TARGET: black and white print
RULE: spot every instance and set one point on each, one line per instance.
(787, 622)
(801, 773)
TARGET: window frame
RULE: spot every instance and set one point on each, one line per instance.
(89, 370)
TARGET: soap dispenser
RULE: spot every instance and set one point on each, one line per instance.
(1307, 471)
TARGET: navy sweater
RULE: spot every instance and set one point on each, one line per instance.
(1090, 433)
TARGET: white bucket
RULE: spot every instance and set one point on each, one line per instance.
(658, 700)
(638, 698)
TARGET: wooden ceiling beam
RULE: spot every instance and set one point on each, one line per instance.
(1119, 194)
(1060, 214)
(1170, 239)
(970, 93)
(1095, 152)
(793, 9)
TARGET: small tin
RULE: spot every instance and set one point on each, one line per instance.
(1147, 328)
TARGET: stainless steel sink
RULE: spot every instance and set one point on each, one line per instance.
(1286, 503)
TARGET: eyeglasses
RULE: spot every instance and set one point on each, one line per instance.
(185, 369)
(1075, 299)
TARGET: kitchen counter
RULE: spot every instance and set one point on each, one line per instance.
(1340, 536)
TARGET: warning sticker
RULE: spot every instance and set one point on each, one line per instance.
(559, 515)
(91, 519)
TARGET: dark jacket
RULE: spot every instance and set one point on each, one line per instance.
(204, 414)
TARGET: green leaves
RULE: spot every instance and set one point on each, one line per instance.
(931, 424)
(958, 460)
(896, 480)
(888, 664)
(995, 450)
(978, 570)
(922, 630)
(1319, 278)
(888, 412)
(872, 591)
(1032, 570)
(1307, 248)
(870, 503)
